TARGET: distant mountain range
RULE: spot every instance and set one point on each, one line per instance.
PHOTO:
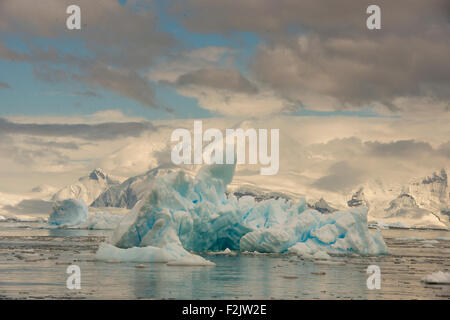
(424, 202)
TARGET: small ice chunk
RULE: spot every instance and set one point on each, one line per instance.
(321, 255)
(437, 278)
(172, 254)
(410, 239)
(191, 261)
(430, 241)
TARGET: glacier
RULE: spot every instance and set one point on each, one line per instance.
(68, 213)
(183, 214)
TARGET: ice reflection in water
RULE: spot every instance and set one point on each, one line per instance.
(33, 261)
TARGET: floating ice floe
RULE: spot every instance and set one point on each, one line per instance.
(226, 252)
(22, 218)
(172, 254)
(68, 213)
(410, 239)
(437, 278)
(183, 214)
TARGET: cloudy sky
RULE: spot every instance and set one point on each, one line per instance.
(352, 104)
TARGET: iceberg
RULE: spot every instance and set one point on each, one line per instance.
(183, 214)
(68, 213)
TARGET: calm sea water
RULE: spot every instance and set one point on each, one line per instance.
(33, 262)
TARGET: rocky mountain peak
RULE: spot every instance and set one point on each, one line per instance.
(97, 174)
(358, 199)
(440, 177)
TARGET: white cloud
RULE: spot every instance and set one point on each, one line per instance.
(109, 115)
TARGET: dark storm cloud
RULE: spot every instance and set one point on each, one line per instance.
(357, 72)
(124, 39)
(401, 148)
(101, 131)
(354, 147)
(127, 35)
(277, 18)
(320, 53)
(126, 82)
(218, 78)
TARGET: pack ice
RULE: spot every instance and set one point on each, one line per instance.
(69, 212)
(184, 214)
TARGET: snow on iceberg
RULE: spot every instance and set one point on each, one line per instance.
(68, 213)
(195, 214)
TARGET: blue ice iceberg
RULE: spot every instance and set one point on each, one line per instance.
(195, 214)
(68, 213)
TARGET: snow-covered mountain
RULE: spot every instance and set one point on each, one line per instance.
(432, 192)
(128, 193)
(87, 188)
(322, 206)
(358, 199)
(404, 209)
(423, 202)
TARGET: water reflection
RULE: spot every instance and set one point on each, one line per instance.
(33, 264)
